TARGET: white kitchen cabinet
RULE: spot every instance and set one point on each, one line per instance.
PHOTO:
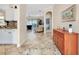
(1, 36)
(7, 36)
(14, 34)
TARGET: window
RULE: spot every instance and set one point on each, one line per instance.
(2, 16)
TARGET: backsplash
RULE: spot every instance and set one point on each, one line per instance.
(10, 25)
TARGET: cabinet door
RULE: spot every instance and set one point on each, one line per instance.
(73, 44)
(9, 37)
(1, 37)
(14, 34)
(61, 45)
(5, 37)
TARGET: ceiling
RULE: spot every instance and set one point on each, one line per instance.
(37, 9)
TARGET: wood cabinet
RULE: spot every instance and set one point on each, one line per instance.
(66, 42)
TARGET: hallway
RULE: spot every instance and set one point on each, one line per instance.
(40, 44)
(37, 44)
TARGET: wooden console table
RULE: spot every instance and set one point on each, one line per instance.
(66, 42)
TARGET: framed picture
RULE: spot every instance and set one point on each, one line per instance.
(69, 14)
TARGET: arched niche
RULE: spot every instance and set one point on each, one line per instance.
(49, 14)
(48, 20)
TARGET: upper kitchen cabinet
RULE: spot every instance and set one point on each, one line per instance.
(12, 12)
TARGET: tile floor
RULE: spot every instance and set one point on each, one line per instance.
(37, 44)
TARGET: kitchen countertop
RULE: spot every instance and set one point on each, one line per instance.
(64, 31)
(7, 28)
(9, 25)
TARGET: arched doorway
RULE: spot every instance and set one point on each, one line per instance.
(48, 22)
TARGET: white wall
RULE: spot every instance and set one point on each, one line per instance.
(8, 11)
(37, 9)
(57, 16)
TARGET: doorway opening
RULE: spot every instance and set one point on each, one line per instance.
(48, 22)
